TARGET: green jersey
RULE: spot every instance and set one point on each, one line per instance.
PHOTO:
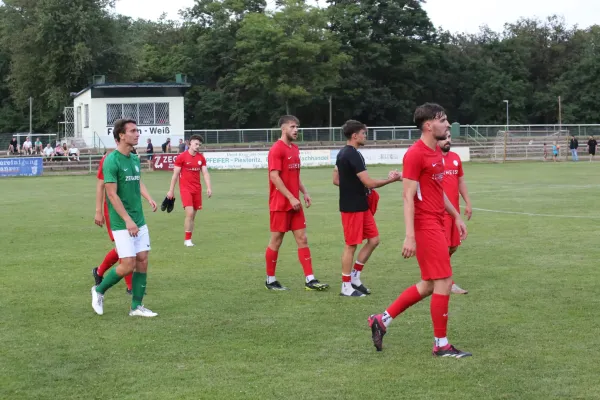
(125, 172)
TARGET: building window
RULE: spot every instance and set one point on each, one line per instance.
(149, 114)
(86, 116)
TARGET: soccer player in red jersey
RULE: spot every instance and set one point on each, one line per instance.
(454, 183)
(187, 169)
(357, 212)
(100, 219)
(286, 213)
(424, 207)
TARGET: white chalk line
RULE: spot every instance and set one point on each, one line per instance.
(538, 186)
(534, 214)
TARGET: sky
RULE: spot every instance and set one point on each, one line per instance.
(453, 15)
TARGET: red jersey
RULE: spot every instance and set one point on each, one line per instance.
(452, 171)
(286, 160)
(100, 175)
(189, 177)
(426, 166)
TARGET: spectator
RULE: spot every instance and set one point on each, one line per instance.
(73, 152)
(150, 152)
(13, 146)
(181, 146)
(573, 145)
(27, 148)
(39, 147)
(555, 149)
(592, 147)
(545, 152)
(166, 146)
(48, 152)
(187, 145)
(59, 151)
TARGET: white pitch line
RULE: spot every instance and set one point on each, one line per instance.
(534, 214)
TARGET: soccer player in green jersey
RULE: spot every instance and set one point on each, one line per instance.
(124, 191)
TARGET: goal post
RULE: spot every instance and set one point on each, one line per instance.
(515, 145)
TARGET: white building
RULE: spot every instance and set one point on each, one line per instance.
(158, 109)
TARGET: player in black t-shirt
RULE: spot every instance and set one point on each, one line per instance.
(592, 144)
(357, 219)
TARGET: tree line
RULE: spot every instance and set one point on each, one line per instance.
(375, 61)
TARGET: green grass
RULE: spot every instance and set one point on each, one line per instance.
(530, 318)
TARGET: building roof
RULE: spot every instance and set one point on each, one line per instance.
(133, 85)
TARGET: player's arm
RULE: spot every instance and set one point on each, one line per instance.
(176, 171)
(462, 228)
(99, 218)
(464, 192)
(336, 176)
(409, 191)
(304, 191)
(371, 183)
(206, 176)
(276, 180)
(145, 194)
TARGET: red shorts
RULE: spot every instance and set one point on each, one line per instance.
(107, 220)
(358, 226)
(432, 254)
(373, 200)
(283, 221)
(189, 199)
(452, 232)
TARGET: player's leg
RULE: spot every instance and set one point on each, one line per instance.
(188, 225)
(140, 274)
(371, 233)
(352, 224)
(455, 288)
(453, 241)
(126, 250)
(278, 226)
(297, 224)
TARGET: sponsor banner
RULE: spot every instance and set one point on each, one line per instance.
(24, 166)
(308, 158)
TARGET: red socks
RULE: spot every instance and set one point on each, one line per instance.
(358, 266)
(305, 260)
(271, 261)
(406, 299)
(346, 278)
(127, 279)
(188, 235)
(439, 314)
(111, 259)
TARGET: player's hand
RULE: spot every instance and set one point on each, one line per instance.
(468, 212)
(462, 228)
(395, 175)
(132, 228)
(170, 195)
(208, 193)
(99, 219)
(153, 205)
(410, 247)
(307, 200)
(296, 205)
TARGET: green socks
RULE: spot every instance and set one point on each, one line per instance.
(138, 289)
(111, 278)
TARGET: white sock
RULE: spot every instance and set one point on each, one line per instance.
(356, 276)
(347, 288)
(387, 319)
(271, 279)
(310, 278)
(441, 342)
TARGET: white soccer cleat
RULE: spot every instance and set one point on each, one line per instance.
(97, 301)
(142, 311)
(188, 243)
(458, 290)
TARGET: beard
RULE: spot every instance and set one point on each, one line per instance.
(446, 147)
(290, 137)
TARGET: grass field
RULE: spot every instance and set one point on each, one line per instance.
(530, 318)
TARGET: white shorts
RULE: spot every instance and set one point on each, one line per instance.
(129, 246)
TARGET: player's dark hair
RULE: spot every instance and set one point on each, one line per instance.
(286, 119)
(427, 112)
(120, 126)
(197, 137)
(351, 127)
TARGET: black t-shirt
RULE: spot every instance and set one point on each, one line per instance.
(353, 194)
(150, 148)
(14, 143)
(592, 144)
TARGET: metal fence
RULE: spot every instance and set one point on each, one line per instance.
(325, 134)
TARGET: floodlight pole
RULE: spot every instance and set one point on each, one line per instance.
(507, 120)
(30, 114)
(330, 119)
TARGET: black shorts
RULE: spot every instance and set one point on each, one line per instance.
(150, 157)
(593, 152)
